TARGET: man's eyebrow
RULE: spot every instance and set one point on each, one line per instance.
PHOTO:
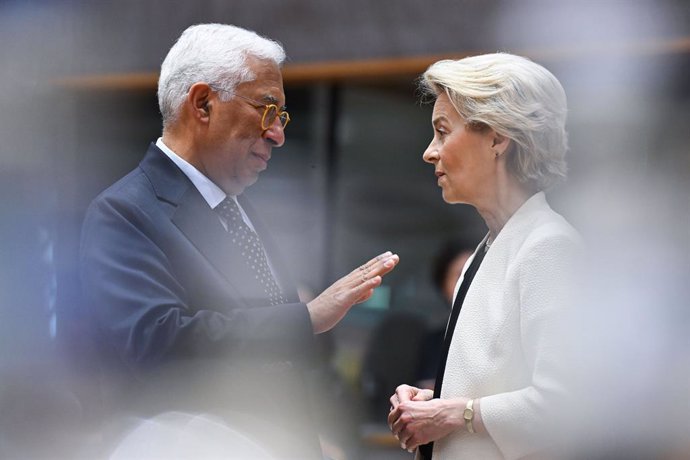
(273, 100)
(270, 99)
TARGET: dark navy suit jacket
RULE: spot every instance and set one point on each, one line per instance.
(179, 320)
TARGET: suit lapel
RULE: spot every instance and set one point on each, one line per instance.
(201, 225)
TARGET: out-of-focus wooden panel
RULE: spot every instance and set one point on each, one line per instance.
(394, 68)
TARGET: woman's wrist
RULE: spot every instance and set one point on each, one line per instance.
(452, 413)
(477, 423)
(470, 416)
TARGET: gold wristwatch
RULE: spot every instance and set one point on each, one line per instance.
(468, 415)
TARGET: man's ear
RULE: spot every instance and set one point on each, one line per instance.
(199, 100)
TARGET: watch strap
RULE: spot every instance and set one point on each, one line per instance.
(468, 415)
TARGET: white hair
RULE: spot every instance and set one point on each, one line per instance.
(518, 99)
(212, 53)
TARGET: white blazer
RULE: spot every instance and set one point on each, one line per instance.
(504, 348)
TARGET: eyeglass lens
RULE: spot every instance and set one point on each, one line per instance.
(271, 114)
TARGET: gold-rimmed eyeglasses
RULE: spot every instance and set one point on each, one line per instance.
(271, 111)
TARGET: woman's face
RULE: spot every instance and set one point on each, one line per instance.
(463, 157)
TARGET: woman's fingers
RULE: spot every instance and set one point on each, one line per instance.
(423, 395)
(400, 427)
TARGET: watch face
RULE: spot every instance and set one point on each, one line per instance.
(468, 414)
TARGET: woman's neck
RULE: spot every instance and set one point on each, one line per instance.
(503, 204)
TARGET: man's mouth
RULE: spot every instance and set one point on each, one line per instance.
(264, 158)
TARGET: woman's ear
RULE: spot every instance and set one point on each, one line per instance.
(199, 100)
(500, 143)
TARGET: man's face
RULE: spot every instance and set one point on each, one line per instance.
(235, 148)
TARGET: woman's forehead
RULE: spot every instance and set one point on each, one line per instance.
(443, 108)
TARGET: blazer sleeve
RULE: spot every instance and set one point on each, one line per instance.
(546, 273)
(143, 313)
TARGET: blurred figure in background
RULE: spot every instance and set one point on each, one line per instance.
(446, 270)
(406, 344)
(193, 309)
(499, 142)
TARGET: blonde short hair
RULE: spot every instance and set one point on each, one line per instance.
(518, 99)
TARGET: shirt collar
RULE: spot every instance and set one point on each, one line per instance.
(212, 194)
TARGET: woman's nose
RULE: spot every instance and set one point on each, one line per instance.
(430, 154)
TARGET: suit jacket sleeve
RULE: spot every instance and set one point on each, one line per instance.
(148, 314)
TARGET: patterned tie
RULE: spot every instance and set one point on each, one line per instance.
(247, 241)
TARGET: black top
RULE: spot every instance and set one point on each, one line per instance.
(425, 451)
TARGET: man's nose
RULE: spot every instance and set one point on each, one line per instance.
(275, 134)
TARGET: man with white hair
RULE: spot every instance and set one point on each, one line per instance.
(194, 309)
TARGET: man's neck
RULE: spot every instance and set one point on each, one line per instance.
(178, 145)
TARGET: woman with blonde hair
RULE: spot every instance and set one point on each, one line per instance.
(499, 142)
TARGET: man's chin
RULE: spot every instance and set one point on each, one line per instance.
(238, 184)
(250, 180)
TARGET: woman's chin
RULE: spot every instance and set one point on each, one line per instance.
(448, 197)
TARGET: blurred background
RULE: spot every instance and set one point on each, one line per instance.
(78, 110)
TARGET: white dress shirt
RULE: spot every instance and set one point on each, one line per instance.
(210, 191)
(213, 195)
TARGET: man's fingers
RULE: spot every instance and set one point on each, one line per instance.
(389, 264)
(385, 265)
(364, 297)
(380, 259)
(379, 269)
(367, 266)
(365, 290)
(378, 266)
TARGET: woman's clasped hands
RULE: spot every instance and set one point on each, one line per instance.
(416, 418)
